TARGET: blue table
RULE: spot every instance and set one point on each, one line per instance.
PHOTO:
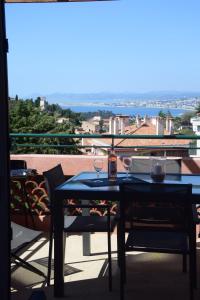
(75, 188)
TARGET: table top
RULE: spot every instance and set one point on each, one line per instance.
(74, 187)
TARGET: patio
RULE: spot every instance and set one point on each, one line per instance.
(158, 276)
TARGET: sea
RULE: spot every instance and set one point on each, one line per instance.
(126, 110)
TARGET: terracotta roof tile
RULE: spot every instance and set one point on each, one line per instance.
(144, 129)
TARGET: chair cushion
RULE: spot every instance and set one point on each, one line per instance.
(157, 241)
(88, 223)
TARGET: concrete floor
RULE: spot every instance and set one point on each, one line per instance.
(149, 275)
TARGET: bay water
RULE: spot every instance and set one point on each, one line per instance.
(127, 110)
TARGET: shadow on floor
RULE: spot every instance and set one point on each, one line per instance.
(149, 276)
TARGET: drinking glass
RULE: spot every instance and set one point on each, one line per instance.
(127, 161)
(98, 165)
(158, 169)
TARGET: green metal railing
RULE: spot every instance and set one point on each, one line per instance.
(109, 136)
(16, 137)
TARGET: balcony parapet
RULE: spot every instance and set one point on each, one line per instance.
(74, 164)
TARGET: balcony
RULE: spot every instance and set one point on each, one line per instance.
(86, 276)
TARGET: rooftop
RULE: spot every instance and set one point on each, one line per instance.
(158, 275)
(143, 129)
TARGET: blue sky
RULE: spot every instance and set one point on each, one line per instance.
(119, 46)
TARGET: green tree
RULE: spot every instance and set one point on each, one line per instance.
(168, 114)
(37, 102)
(101, 123)
(162, 114)
(26, 117)
(185, 118)
(197, 108)
(184, 121)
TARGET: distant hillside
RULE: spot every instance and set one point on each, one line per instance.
(113, 97)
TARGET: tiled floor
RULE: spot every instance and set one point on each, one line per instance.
(152, 276)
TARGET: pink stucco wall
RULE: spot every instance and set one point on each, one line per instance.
(73, 164)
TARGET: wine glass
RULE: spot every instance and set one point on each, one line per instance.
(127, 161)
(98, 165)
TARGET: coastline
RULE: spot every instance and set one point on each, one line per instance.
(124, 109)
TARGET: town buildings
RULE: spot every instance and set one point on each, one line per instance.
(120, 124)
(195, 121)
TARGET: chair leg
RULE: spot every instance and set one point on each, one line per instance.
(191, 281)
(195, 269)
(122, 257)
(122, 268)
(19, 261)
(109, 262)
(184, 265)
(118, 245)
(50, 256)
(121, 285)
(64, 245)
(191, 273)
(194, 260)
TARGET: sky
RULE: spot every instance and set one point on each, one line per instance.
(126, 46)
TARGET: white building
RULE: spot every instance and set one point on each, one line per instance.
(90, 127)
(43, 103)
(118, 123)
(196, 128)
(62, 120)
